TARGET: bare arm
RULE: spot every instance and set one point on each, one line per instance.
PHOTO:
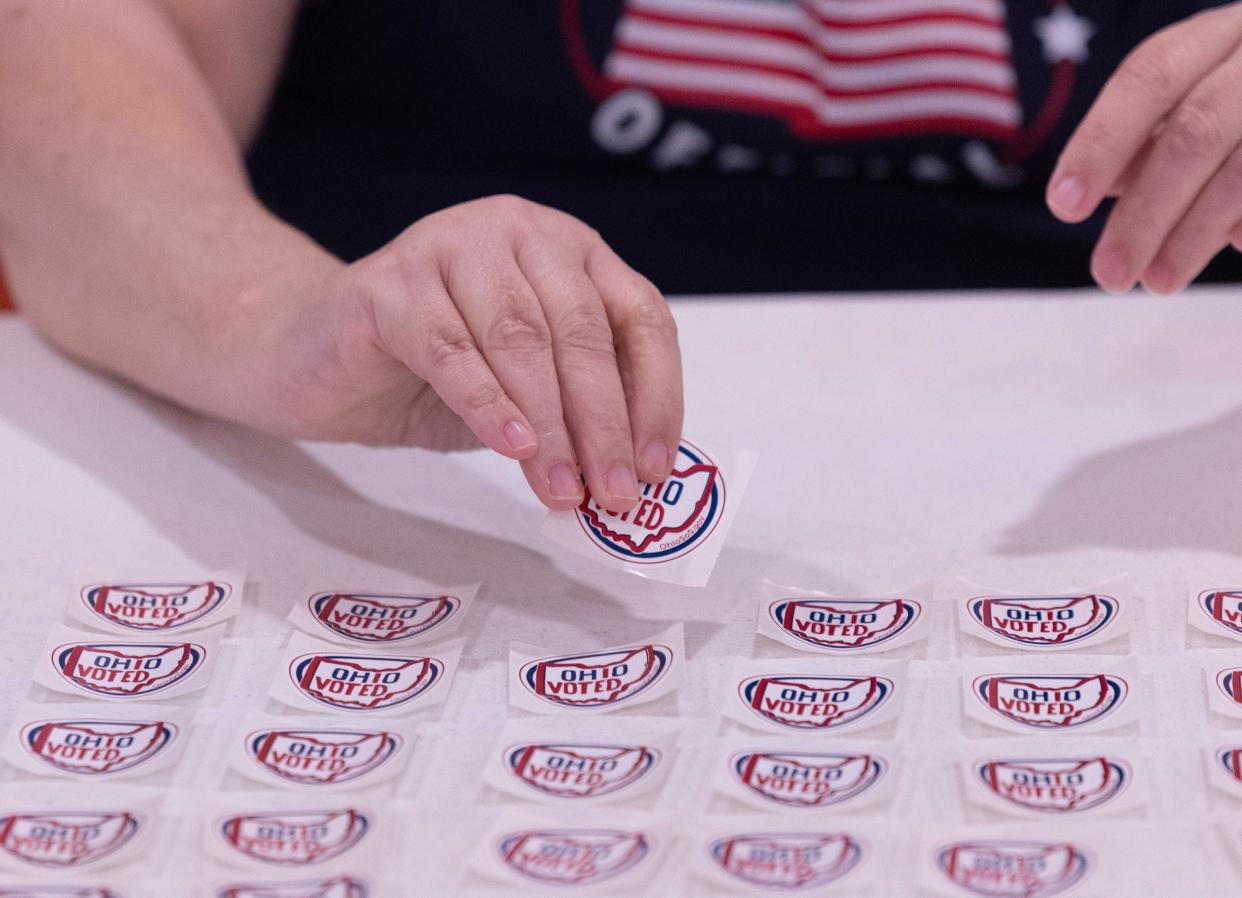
(133, 241)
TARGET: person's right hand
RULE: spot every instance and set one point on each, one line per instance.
(498, 321)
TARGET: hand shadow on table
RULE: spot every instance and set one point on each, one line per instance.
(71, 415)
(1182, 490)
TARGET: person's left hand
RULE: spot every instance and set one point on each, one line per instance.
(1165, 138)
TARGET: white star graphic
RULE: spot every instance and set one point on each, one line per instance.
(1064, 35)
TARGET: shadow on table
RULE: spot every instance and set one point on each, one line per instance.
(166, 470)
(1178, 491)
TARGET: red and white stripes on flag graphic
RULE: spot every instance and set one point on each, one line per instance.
(834, 69)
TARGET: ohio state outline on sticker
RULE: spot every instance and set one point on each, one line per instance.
(155, 607)
(321, 757)
(1012, 869)
(363, 682)
(381, 617)
(596, 679)
(335, 887)
(1224, 608)
(1054, 785)
(572, 856)
(1044, 621)
(1048, 701)
(127, 669)
(64, 839)
(672, 518)
(96, 747)
(803, 779)
(787, 860)
(294, 838)
(579, 770)
(845, 624)
(804, 702)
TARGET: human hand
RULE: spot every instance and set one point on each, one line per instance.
(1165, 138)
(501, 322)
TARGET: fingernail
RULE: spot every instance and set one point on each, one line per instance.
(1111, 272)
(655, 457)
(1067, 195)
(519, 435)
(621, 484)
(1158, 278)
(564, 483)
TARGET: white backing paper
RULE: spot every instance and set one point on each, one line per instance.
(559, 761)
(613, 852)
(322, 677)
(586, 680)
(94, 742)
(1064, 779)
(383, 619)
(145, 606)
(806, 854)
(127, 668)
(317, 755)
(844, 625)
(676, 531)
(1064, 694)
(814, 695)
(796, 774)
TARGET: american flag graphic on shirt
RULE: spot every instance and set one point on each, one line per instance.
(833, 69)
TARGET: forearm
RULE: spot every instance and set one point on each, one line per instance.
(129, 232)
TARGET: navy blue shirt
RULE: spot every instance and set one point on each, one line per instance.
(718, 145)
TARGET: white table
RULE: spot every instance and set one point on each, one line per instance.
(1030, 441)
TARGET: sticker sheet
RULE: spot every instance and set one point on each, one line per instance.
(544, 853)
(284, 834)
(844, 625)
(383, 619)
(807, 773)
(1068, 778)
(558, 761)
(678, 528)
(591, 680)
(127, 668)
(1045, 623)
(813, 695)
(95, 742)
(159, 607)
(812, 854)
(1052, 694)
(317, 755)
(61, 828)
(326, 678)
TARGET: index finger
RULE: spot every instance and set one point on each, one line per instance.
(1145, 87)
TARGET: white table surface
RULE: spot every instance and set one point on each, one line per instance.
(1033, 442)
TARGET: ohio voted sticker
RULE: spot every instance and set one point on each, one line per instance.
(159, 607)
(323, 677)
(1053, 786)
(317, 756)
(839, 626)
(786, 860)
(579, 770)
(1066, 694)
(67, 840)
(330, 887)
(293, 838)
(383, 619)
(572, 857)
(98, 747)
(814, 696)
(1217, 612)
(1044, 622)
(126, 669)
(792, 778)
(675, 531)
(597, 680)
(1012, 868)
